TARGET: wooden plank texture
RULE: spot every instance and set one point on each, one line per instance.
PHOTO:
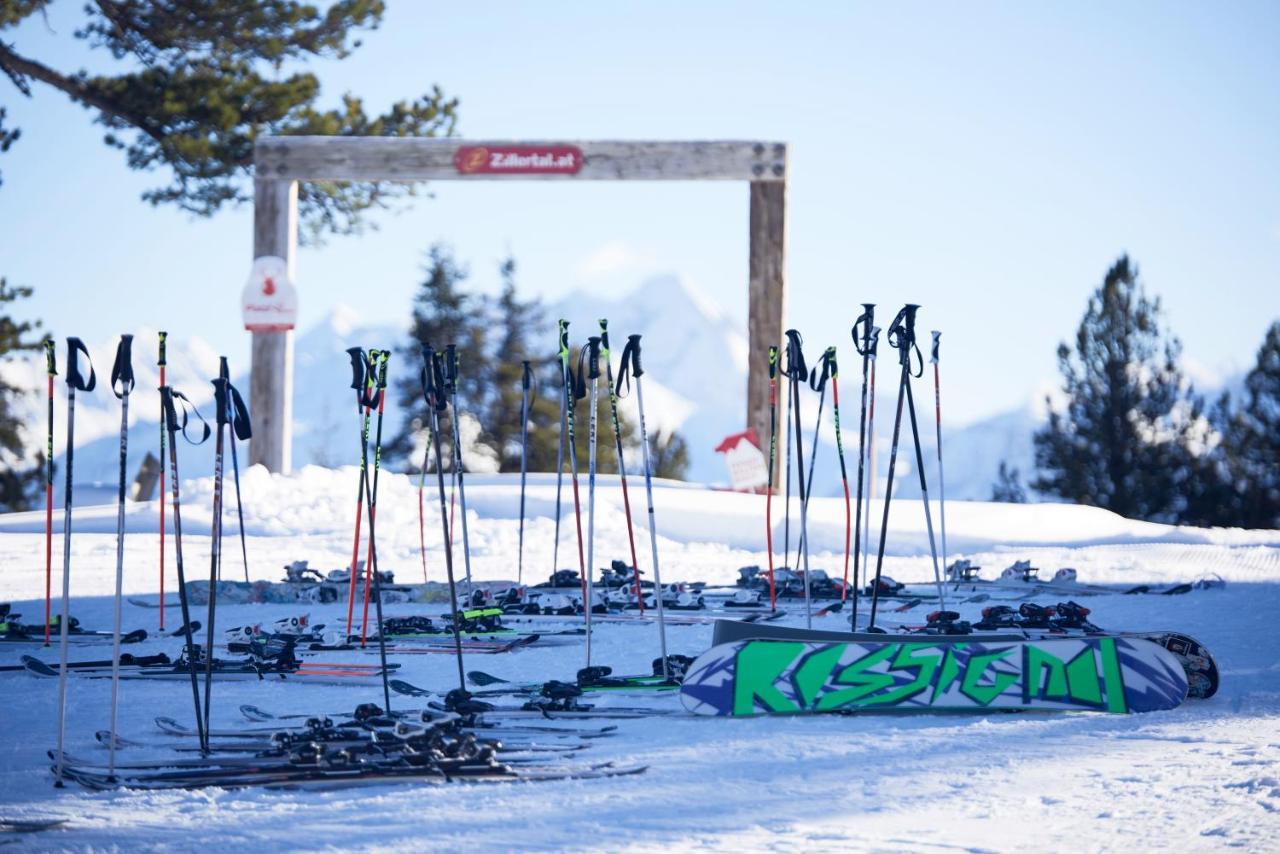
(767, 291)
(415, 159)
(275, 232)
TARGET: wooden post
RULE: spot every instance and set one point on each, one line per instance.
(767, 277)
(275, 232)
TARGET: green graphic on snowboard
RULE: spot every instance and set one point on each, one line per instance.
(782, 677)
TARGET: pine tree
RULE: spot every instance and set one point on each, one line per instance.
(194, 83)
(521, 326)
(443, 313)
(1008, 486)
(18, 485)
(1249, 451)
(1125, 441)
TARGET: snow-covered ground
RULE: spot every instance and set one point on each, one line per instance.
(1206, 775)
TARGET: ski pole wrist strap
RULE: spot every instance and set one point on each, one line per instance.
(902, 337)
(74, 378)
(175, 402)
(122, 369)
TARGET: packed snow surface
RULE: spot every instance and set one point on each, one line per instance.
(1203, 776)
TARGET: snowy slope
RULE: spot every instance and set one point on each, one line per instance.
(1201, 777)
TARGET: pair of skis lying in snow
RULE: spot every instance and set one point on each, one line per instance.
(369, 747)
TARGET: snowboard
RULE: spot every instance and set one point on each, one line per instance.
(1099, 674)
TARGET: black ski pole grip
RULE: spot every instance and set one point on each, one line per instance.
(451, 367)
(773, 363)
(122, 368)
(593, 357)
(220, 401)
(170, 411)
(425, 375)
(164, 349)
(526, 377)
(830, 367)
(604, 337)
(862, 328)
(437, 379)
(933, 354)
(74, 378)
(796, 367)
(50, 357)
(633, 344)
(357, 368)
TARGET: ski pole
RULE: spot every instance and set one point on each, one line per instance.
(121, 386)
(422, 521)
(526, 386)
(796, 372)
(593, 374)
(215, 536)
(377, 368)
(862, 344)
(574, 390)
(433, 393)
(773, 452)
(786, 503)
(451, 367)
(563, 339)
(372, 500)
(844, 472)
(871, 472)
(622, 467)
(360, 383)
(168, 401)
(937, 408)
(924, 489)
(75, 382)
(239, 427)
(817, 382)
(52, 369)
(161, 362)
(630, 367)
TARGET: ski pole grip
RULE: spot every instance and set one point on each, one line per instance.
(933, 353)
(633, 344)
(437, 380)
(451, 367)
(862, 328)
(604, 337)
(170, 411)
(74, 378)
(223, 370)
(357, 368)
(773, 363)
(564, 338)
(873, 342)
(383, 357)
(164, 350)
(122, 369)
(796, 367)
(593, 357)
(526, 377)
(220, 401)
(50, 357)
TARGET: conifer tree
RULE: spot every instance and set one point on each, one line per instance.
(1249, 451)
(20, 475)
(1008, 485)
(1125, 441)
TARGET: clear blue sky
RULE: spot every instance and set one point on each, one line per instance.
(985, 160)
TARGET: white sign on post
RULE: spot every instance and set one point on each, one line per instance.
(269, 302)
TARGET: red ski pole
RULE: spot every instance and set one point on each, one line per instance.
(773, 453)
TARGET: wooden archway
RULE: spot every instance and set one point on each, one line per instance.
(280, 162)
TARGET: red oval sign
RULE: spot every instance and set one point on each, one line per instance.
(518, 160)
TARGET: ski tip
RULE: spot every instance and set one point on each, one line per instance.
(479, 677)
(136, 636)
(37, 667)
